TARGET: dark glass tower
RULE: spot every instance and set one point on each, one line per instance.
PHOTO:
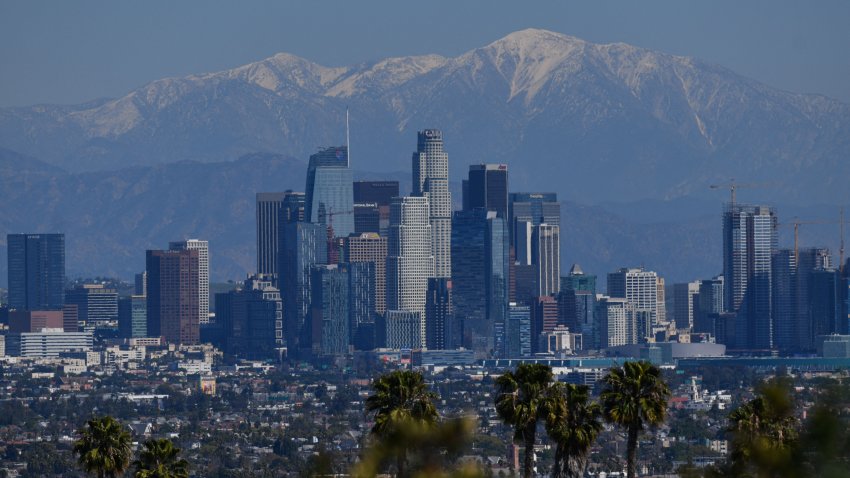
(487, 188)
(36, 271)
(305, 246)
(268, 215)
(438, 315)
(329, 197)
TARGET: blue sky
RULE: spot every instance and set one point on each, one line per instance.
(70, 52)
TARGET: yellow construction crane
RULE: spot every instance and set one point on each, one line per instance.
(732, 186)
(796, 222)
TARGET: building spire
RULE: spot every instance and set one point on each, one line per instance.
(347, 141)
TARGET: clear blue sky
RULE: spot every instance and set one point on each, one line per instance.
(73, 51)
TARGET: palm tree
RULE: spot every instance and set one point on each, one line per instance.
(159, 460)
(401, 401)
(635, 395)
(104, 447)
(521, 402)
(573, 423)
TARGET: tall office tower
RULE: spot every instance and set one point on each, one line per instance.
(173, 295)
(439, 333)
(783, 309)
(330, 198)
(487, 187)
(36, 265)
(617, 322)
(534, 208)
(518, 331)
(292, 207)
(370, 247)
(70, 318)
(132, 317)
(329, 307)
(662, 302)
(546, 254)
(640, 288)
(527, 280)
(141, 283)
(361, 303)
(749, 240)
(372, 196)
(203, 273)
(479, 278)
(576, 303)
(809, 260)
(403, 329)
(544, 319)
(251, 319)
(708, 304)
(825, 307)
(410, 260)
(431, 180)
(684, 295)
(268, 228)
(305, 245)
(95, 303)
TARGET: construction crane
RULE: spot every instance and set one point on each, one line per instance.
(732, 186)
(333, 256)
(796, 222)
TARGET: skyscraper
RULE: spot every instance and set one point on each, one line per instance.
(684, 295)
(439, 333)
(36, 271)
(330, 315)
(173, 295)
(203, 273)
(372, 200)
(410, 261)
(708, 305)
(329, 197)
(546, 256)
(534, 208)
(268, 228)
(640, 288)
(361, 303)
(370, 247)
(518, 331)
(305, 245)
(251, 319)
(431, 180)
(487, 188)
(577, 304)
(95, 303)
(617, 322)
(749, 240)
(132, 317)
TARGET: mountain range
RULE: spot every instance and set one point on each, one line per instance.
(595, 123)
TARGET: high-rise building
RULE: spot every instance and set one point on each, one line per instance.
(617, 322)
(825, 304)
(95, 303)
(684, 295)
(70, 318)
(546, 256)
(534, 208)
(330, 303)
(544, 319)
(203, 273)
(370, 247)
(784, 306)
(305, 246)
(36, 265)
(708, 304)
(410, 260)
(173, 295)
(487, 188)
(640, 288)
(809, 261)
(361, 303)
(403, 329)
(141, 283)
(577, 303)
(372, 199)
(268, 228)
(26, 321)
(518, 331)
(439, 333)
(749, 240)
(329, 198)
(132, 317)
(480, 278)
(431, 180)
(251, 319)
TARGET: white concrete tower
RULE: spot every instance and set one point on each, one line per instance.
(431, 180)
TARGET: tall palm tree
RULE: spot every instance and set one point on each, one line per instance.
(573, 422)
(635, 396)
(401, 401)
(521, 402)
(159, 459)
(104, 447)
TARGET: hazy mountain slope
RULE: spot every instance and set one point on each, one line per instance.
(614, 122)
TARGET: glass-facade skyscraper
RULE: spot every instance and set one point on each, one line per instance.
(329, 198)
(487, 188)
(305, 246)
(268, 228)
(749, 240)
(36, 271)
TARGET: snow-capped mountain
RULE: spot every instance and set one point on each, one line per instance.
(598, 121)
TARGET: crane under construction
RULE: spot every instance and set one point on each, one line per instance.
(732, 186)
(796, 222)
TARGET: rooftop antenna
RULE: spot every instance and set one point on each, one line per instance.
(347, 141)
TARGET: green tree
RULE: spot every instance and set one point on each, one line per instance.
(159, 459)
(104, 447)
(573, 422)
(634, 396)
(401, 401)
(521, 402)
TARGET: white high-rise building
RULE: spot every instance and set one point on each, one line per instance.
(203, 273)
(640, 288)
(431, 180)
(410, 261)
(546, 254)
(617, 321)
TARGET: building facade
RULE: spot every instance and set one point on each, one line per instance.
(173, 295)
(329, 196)
(36, 268)
(203, 273)
(268, 227)
(431, 180)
